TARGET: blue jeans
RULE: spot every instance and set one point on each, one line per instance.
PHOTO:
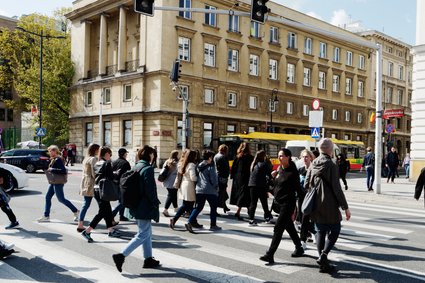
(200, 202)
(85, 207)
(370, 177)
(329, 231)
(143, 237)
(407, 169)
(58, 190)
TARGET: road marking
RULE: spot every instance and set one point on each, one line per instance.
(386, 207)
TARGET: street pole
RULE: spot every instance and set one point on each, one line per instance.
(100, 119)
(272, 102)
(378, 125)
(41, 87)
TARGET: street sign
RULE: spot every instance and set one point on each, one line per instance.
(40, 132)
(389, 128)
(315, 133)
(316, 104)
(315, 118)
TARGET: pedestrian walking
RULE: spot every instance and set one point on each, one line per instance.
(56, 166)
(5, 180)
(392, 162)
(420, 183)
(87, 182)
(369, 166)
(324, 174)
(344, 167)
(406, 165)
(119, 167)
(241, 170)
(168, 183)
(103, 170)
(6, 249)
(223, 171)
(286, 185)
(70, 156)
(187, 169)
(258, 186)
(146, 211)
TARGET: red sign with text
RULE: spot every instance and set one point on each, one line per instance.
(393, 113)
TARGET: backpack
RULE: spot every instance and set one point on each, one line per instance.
(130, 187)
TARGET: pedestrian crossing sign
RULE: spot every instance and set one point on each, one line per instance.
(40, 132)
(315, 133)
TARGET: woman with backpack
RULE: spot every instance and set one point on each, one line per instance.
(168, 183)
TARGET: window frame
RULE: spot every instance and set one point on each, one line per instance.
(306, 110)
(360, 88)
(306, 76)
(107, 133)
(106, 95)
(308, 45)
(232, 99)
(253, 102)
(348, 86)
(322, 50)
(185, 4)
(209, 54)
(210, 18)
(127, 132)
(362, 62)
(347, 116)
(255, 29)
(336, 83)
(89, 133)
(292, 40)
(349, 58)
(337, 54)
(273, 69)
(254, 64)
(289, 107)
(234, 23)
(290, 73)
(125, 92)
(209, 94)
(207, 130)
(184, 48)
(274, 34)
(234, 61)
(322, 80)
(88, 98)
(335, 114)
(359, 118)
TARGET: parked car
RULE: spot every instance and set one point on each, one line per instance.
(18, 178)
(30, 160)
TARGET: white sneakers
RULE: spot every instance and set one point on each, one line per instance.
(76, 215)
(44, 219)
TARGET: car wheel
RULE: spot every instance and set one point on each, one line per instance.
(13, 187)
(30, 168)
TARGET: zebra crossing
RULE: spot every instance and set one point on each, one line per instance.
(230, 255)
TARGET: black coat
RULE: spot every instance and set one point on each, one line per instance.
(122, 165)
(258, 177)
(392, 159)
(420, 185)
(241, 171)
(287, 184)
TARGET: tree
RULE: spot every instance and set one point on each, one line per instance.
(21, 71)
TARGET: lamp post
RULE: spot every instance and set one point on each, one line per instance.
(41, 36)
(272, 103)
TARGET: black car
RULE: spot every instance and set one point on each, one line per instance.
(30, 160)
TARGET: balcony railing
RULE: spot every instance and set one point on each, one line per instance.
(111, 70)
(92, 74)
(131, 66)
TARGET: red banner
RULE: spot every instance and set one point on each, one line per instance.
(392, 113)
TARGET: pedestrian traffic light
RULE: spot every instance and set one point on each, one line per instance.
(259, 10)
(175, 71)
(144, 7)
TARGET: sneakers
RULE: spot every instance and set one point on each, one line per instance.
(12, 225)
(150, 262)
(5, 253)
(87, 236)
(119, 260)
(43, 219)
(325, 265)
(253, 223)
(114, 234)
(215, 228)
(267, 258)
(7, 246)
(76, 215)
(303, 245)
(189, 228)
(172, 223)
(165, 213)
(298, 252)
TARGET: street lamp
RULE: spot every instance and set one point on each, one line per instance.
(272, 107)
(41, 35)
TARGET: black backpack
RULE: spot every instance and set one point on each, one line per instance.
(130, 187)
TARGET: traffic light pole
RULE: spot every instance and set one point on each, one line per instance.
(185, 112)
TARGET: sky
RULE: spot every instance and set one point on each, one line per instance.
(395, 18)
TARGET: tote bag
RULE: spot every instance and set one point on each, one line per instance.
(56, 179)
(108, 190)
(310, 201)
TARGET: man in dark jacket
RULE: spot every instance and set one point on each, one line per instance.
(120, 166)
(369, 166)
(420, 184)
(392, 162)
(223, 171)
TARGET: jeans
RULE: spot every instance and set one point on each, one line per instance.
(171, 198)
(187, 206)
(85, 207)
(258, 193)
(6, 209)
(200, 202)
(407, 169)
(323, 230)
(143, 237)
(370, 177)
(58, 190)
(105, 212)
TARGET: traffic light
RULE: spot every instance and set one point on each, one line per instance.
(144, 7)
(259, 10)
(175, 71)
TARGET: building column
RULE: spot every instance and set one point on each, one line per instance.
(122, 39)
(103, 44)
(418, 95)
(86, 45)
(143, 38)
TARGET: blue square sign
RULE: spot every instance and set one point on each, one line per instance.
(315, 133)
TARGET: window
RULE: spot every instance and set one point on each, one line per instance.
(184, 49)
(389, 95)
(252, 102)
(347, 116)
(255, 29)
(233, 60)
(254, 62)
(273, 69)
(306, 110)
(9, 115)
(290, 73)
(409, 77)
(335, 83)
(361, 62)
(400, 97)
(210, 19)
(337, 54)
(231, 99)
(390, 50)
(209, 96)
(179, 133)
(106, 95)
(292, 40)
(208, 134)
(127, 92)
(348, 86)
(322, 80)
(89, 98)
(127, 125)
(107, 133)
(209, 55)
(274, 34)
(390, 69)
(89, 133)
(307, 77)
(398, 123)
(334, 114)
(184, 89)
(289, 108)
(322, 50)
(308, 45)
(360, 88)
(185, 4)
(251, 129)
(400, 73)
(359, 118)
(233, 23)
(347, 137)
(349, 58)
(231, 129)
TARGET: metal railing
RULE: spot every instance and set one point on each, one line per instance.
(131, 66)
(111, 70)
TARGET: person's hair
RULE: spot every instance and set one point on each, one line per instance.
(93, 147)
(326, 146)
(54, 148)
(260, 156)
(369, 148)
(207, 154)
(174, 155)
(223, 148)
(316, 153)
(190, 157)
(104, 150)
(287, 152)
(243, 149)
(145, 152)
(308, 152)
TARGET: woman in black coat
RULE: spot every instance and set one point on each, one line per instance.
(343, 166)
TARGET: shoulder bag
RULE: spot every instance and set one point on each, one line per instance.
(310, 200)
(56, 179)
(164, 173)
(108, 190)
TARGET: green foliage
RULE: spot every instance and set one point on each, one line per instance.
(22, 50)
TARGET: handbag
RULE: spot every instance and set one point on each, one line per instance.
(178, 181)
(56, 179)
(275, 206)
(108, 190)
(163, 174)
(310, 201)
